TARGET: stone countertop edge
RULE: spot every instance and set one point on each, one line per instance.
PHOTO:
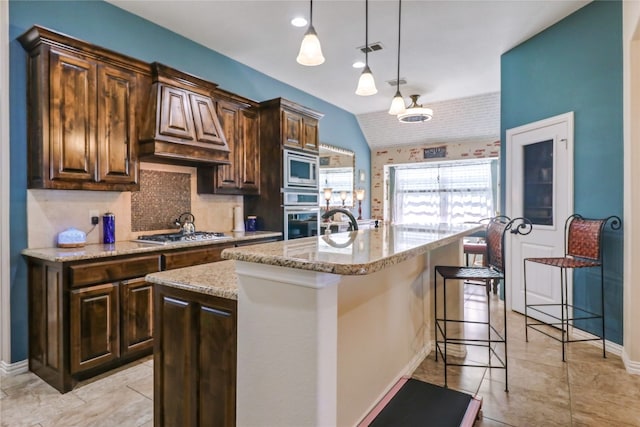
(129, 247)
(262, 256)
(217, 278)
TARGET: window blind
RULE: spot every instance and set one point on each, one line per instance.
(442, 193)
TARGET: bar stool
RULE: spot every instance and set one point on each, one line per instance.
(475, 249)
(583, 249)
(494, 271)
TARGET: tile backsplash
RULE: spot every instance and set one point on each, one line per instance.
(163, 196)
(51, 211)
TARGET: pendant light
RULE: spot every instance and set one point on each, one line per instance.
(397, 105)
(310, 51)
(366, 84)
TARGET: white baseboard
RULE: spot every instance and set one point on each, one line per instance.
(632, 366)
(611, 347)
(14, 368)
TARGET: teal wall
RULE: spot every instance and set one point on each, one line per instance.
(576, 65)
(105, 25)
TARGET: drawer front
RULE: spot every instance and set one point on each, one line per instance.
(110, 271)
(187, 258)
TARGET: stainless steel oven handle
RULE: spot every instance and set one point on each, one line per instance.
(301, 209)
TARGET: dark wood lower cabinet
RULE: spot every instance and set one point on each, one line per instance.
(194, 359)
(89, 316)
(86, 317)
(136, 329)
(94, 324)
(48, 324)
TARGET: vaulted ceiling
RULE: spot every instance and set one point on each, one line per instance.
(450, 52)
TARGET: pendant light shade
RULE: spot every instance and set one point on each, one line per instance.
(310, 50)
(366, 84)
(397, 104)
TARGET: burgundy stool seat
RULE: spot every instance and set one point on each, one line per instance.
(475, 248)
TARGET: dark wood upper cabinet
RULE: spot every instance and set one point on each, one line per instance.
(82, 101)
(294, 125)
(226, 176)
(94, 114)
(283, 125)
(72, 115)
(249, 155)
(116, 125)
(292, 129)
(310, 129)
(181, 124)
(240, 123)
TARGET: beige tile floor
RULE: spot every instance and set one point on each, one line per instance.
(122, 398)
(587, 390)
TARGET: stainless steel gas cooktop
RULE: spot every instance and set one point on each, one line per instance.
(164, 239)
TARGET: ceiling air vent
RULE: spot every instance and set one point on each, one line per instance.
(373, 47)
(395, 82)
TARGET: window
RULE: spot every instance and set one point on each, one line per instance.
(447, 192)
(338, 179)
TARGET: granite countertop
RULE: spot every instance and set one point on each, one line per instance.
(353, 253)
(130, 247)
(217, 279)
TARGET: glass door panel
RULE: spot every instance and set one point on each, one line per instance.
(538, 182)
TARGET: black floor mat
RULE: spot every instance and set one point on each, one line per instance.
(422, 404)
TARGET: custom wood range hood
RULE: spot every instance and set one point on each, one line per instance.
(181, 125)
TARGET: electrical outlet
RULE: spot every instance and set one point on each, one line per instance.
(93, 215)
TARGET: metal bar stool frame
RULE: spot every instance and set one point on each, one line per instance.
(479, 248)
(576, 257)
(496, 232)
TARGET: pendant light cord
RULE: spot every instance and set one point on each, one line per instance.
(366, 32)
(311, 12)
(399, 23)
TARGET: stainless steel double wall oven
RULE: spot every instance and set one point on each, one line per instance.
(300, 194)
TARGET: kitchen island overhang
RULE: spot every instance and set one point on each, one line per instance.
(327, 324)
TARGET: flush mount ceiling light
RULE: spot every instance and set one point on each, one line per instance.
(397, 104)
(358, 64)
(366, 84)
(299, 21)
(416, 113)
(310, 51)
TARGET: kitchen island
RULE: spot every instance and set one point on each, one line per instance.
(327, 324)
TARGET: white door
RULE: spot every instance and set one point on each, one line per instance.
(539, 186)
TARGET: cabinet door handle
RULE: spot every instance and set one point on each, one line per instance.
(176, 301)
(218, 312)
